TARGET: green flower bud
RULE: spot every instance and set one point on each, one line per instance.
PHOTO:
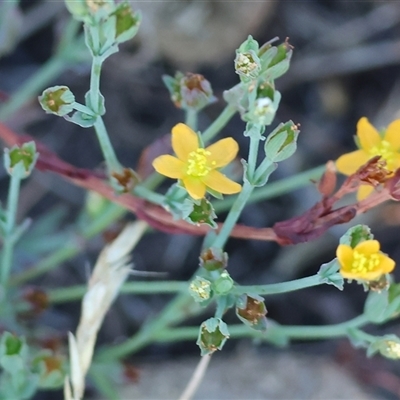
(13, 352)
(199, 212)
(78, 8)
(263, 110)
(224, 284)
(356, 234)
(51, 368)
(127, 22)
(282, 142)
(213, 258)
(200, 289)
(190, 91)
(251, 310)
(58, 100)
(212, 335)
(19, 161)
(247, 65)
(388, 346)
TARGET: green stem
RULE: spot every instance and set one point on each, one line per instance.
(71, 293)
(233, 215)
(277, 288)
(191, 119)
(253, 152)
(64, 57)
(95, 84)
(219, 123)
(48, 72)
(311, 332)
(176, 311)
(110, 157)
(149, 195)
(8, 241)
(274, 189)
(70, 250)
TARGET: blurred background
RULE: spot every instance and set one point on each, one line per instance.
(345, 65)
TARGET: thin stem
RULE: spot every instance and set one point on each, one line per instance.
(8, 241)
(48, 72)
(191, 119)
(70, 250)
(277, 288)
(233, 215)
(274, 189)
(196, 378)
(227, 113)
(311, 332)
(71, 293)
(252, 160)
(95, 84)
(176, 311)
(110, 157)
(149, 195)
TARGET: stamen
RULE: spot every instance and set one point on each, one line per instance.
(198, 164)
(385, 150)
(364, 263)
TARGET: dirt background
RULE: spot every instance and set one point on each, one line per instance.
(345, 65)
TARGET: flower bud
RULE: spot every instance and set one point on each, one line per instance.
(224, 284)
(190, 91)
(282, 142)
(199, 212)
(388, 346)
(125, 180)
(251, 310)
(58, 100)
(127, 22)
(212, 335)
(213, 258)
(51, 368)
(200, 289)
(247, 65)
(19, 161)
(13, 352)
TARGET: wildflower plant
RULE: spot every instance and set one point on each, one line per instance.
(199, 178)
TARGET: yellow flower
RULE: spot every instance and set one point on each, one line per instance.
(197, 167)
(364, 262)
(372, 144)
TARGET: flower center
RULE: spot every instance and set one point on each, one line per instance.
(385, 150)
(197, 164)
(362, 263)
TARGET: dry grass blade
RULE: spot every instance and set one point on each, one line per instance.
(111, 270)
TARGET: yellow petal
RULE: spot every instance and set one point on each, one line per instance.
(344, 253)
(394, 162)
(349, 163)
(364, 191)
(220, 183)
(184, 141)
(392, 134)
(195, 187)
(365, 276)
(222, 152)
(368, 247)
(169, 166)
(387, 264)
(368, 135)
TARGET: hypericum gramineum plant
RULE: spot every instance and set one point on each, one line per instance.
(190, 205)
